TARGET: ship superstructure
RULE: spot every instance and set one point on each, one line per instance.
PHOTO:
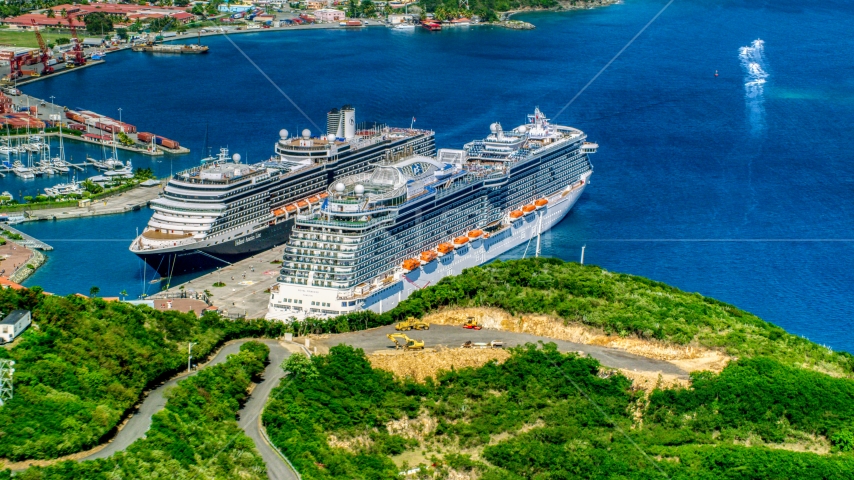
(223, 210)
(414, 218)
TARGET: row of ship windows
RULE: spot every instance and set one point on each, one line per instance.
(294, 300)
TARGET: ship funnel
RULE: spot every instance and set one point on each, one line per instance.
(349, 120)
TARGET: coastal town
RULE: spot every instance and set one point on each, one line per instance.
(425, 240)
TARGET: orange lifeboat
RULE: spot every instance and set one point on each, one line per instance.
(278, 212)
(428, 256)
(324, 195)
(445, 248)
(528, 209)
(475, 234)
(516, 215)
(313, 199)
(460, 241)
(411, 264)
(291, 208)
(302, 204)
(541, 202)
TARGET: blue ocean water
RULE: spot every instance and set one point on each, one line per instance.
(736, 186)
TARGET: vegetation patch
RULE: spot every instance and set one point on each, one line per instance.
(84, 363)
(619, 306)
(219, 284)
(194, 436)
(542, 414)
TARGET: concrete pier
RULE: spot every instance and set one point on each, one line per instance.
(134, 199)
(246, 284)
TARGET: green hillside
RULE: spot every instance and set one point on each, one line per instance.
(83, 364)
(771, 413)
(194, 436)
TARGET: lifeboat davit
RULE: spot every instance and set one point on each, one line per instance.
(411, 264)
(428, 256)
(444, 249)
(460, 241)
(475, 234)
(541, 202)
(516, 215)
(528, 209)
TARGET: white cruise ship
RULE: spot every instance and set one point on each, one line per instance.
(414, 219)
(223, 210)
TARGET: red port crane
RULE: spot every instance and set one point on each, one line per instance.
(79, 59)
(45, 53)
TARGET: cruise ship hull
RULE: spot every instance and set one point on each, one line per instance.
(213, 253)
(473, 254)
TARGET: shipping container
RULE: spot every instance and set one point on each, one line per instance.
(77, 126)
(145, 137)
(166, 142)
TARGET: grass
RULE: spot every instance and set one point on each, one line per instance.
(28, 39)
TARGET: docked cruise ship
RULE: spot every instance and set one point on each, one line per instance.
(414, 219)
(223, 210)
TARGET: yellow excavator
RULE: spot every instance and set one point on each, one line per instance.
(472, 324)
(402, 341)
(412, 323)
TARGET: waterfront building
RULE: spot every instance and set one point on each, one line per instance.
(329, 15)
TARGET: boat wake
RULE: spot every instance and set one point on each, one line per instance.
(753, 62)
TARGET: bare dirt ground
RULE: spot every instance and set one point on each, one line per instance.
(687, 357)
(426, 363)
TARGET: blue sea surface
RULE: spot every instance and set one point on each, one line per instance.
(738, 187)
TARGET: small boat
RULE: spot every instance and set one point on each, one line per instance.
(20, 170)
(7, 150)
(60, 165)
(716, 73)
(61, 189)
(404, 26)
(108, 164)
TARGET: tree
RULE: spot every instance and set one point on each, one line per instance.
(93, 291)
(300, 368)
(62, 40)
(98, 23)
(50, 13)
(181, 3)
(368, 8)
(122, 33)
(123, 293)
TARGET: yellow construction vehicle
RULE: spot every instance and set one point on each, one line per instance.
(412, 323)
(402, 341)
(472, 324)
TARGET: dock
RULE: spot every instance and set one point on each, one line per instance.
(48, 109)
(129, 201)
(8, 171)
(247, 283)
(30, 242)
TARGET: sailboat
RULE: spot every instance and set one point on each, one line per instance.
(58, 162)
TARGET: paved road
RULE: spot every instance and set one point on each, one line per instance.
(249, 415)
(452, 336)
